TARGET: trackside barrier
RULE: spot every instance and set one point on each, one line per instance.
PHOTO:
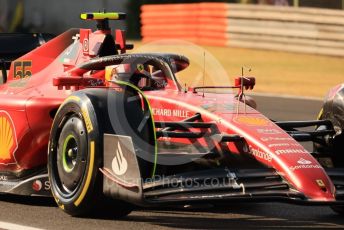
(305, 30)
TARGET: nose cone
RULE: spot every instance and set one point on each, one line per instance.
(300, 168)
(273, 147)
(308, 177)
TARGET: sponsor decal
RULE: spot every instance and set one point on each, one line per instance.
(8, 139)
(160, 84)
(37, 185)
(260, 154)
(140, 68)
(252, 121)
(320, 183)
(47, 185)
(119, 163)
(22, 69)
(88, 121)
(268, 131)
(304, 162)
(293, 168)
(170, 112)
(265, 139)
(279, 145)
(284, 145)
(290, 151)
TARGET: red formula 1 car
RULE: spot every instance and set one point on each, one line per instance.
(84, 121)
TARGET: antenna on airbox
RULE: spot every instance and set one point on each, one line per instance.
(241, 94)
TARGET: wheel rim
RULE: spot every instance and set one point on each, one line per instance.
(69, 153)
(71, 160)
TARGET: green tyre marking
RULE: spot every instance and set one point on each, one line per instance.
(64, 152)
(151, 112)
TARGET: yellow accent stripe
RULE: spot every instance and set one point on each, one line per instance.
(89, 176)
(73, 98)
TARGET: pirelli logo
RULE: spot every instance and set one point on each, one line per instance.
(87, 119)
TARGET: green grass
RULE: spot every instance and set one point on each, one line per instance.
(275, 72)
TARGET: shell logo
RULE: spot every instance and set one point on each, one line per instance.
(252, 121)
(8, 141)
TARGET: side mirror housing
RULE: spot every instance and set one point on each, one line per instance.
(246, 82)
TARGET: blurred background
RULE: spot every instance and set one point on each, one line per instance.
(57, 16)
(294, 47)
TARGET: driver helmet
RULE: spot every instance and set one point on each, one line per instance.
(159, 78)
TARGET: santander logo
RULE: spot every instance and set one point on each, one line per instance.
(304, 162)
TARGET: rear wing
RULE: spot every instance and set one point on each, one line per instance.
(15, 45)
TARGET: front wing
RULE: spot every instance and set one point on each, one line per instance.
(122, 180)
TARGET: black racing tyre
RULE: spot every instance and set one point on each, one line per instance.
(338, 209)
(74, 159)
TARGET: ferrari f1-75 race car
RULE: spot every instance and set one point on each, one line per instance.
(96, 127)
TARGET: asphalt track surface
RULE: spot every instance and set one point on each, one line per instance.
(42, 213)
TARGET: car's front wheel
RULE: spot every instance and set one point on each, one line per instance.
(74, 158)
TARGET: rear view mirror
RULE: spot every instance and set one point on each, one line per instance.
(245, 82)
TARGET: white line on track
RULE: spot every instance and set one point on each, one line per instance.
(11, 226)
